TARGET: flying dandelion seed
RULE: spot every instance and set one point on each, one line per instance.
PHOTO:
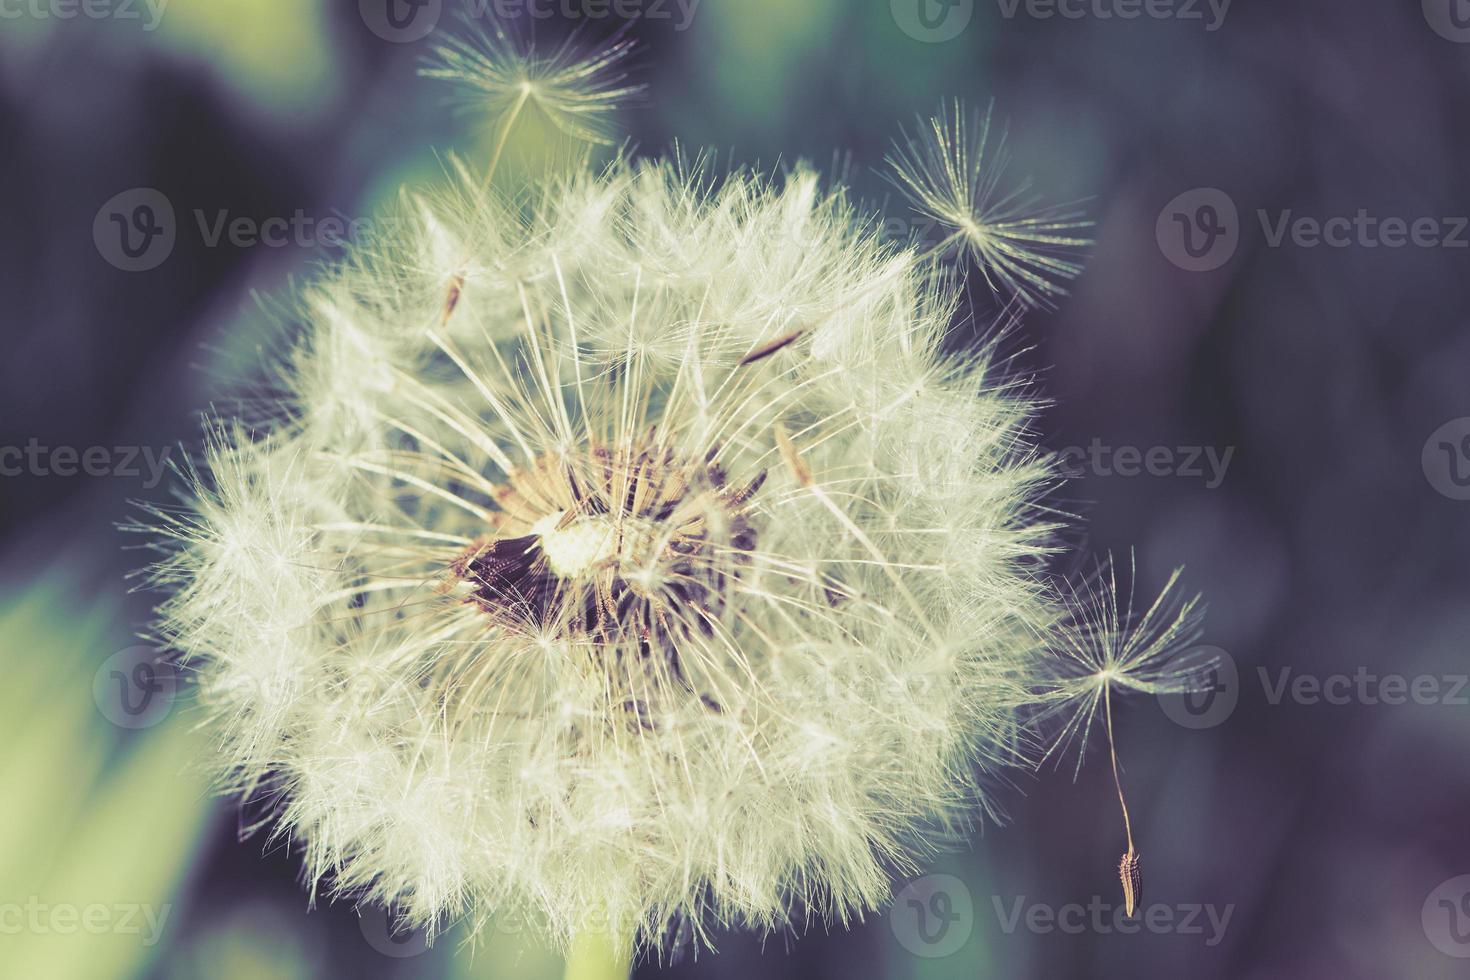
(1104, 646)
(955, 173)
(632, 558)
(578, 92)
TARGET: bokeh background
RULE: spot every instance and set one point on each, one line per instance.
(1284, 834)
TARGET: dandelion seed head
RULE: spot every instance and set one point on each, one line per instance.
(632, 557)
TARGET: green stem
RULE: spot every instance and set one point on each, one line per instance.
(594, 957)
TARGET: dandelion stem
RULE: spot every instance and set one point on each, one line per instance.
(593, 957)
(1117, 781)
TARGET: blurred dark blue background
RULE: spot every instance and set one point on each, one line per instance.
(1262, 375)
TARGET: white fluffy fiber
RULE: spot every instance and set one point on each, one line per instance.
(881, 642)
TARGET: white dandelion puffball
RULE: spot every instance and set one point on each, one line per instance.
(641, 559)
(631, 557)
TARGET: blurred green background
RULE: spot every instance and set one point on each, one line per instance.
(1321, 831)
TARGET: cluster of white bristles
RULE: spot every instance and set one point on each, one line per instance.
(628, 556)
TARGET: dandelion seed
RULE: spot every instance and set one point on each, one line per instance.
(1105, 647)
(1130, 875)
(954, 173)
(580, 91)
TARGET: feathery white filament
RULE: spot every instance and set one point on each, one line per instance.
(954, 173)
(638, 557)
